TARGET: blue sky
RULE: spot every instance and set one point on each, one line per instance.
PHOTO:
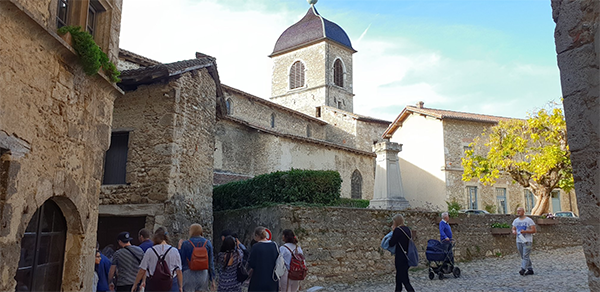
(483, 56)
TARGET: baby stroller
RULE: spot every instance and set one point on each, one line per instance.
(440, 259)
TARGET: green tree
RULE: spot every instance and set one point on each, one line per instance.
(533, 152)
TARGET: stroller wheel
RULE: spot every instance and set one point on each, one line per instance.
(441, 275)
(456, 272)
(431, 275)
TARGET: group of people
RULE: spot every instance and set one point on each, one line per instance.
(156, 265)
(523, 227)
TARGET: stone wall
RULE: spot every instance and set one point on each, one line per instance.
(577, 37)
(170, 155)
(343, 244)
(243, 148)
(54, 129)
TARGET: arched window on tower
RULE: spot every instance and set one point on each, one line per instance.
(273, 120)
(356, 185)
(229, 104)
(297, 75)
(338, 73)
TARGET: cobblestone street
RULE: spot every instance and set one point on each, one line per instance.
(555, 270)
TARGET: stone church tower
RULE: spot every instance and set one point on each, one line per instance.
(312, 66)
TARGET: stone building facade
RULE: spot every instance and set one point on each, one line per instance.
(54, 129)
(158, 171)
(434, 142)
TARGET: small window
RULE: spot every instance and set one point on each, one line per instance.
(338, 73)
(62, 13)
(91, 20)
(339, 104)
(308, 131)
(472, 196)
(4, 166)
(318, 112)
(501, 200)
(115, 163)
(529, 201)
(297, 75)
(356, 185)
(273, 120)
(229, 104)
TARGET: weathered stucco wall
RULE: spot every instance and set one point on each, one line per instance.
(577, 37)
(54, 129)
(421, 160)
(171, 146)
(242, 149)
(343, 244)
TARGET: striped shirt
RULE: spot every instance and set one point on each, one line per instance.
(127, 264)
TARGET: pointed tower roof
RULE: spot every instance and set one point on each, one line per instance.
(310, 29)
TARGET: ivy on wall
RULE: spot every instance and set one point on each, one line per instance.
(92, 58)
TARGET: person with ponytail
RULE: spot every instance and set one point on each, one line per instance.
(290, 246)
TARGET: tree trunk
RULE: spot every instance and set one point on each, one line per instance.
(542, 202)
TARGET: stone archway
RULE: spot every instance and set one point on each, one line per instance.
(43, 250)
(577, 37)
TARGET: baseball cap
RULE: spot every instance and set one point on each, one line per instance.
(124, 237)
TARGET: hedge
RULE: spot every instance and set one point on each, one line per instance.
(308, 186)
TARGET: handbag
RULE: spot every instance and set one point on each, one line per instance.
(279, 265)
(412, 255)
(241, 273)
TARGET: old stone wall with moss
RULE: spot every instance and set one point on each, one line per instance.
(54, 129)
(343, 244)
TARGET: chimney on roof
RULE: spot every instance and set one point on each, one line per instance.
(420, 104)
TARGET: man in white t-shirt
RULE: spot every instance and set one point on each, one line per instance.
(524, 228)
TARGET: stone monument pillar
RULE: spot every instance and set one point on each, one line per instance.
(388, 192)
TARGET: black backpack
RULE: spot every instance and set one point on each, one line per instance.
(162, 279)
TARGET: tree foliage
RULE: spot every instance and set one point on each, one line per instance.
(533, 152)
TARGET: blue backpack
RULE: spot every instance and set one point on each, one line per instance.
(411, 254)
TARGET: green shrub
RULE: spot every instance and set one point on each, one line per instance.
(501, 225)
(92, 58)
(352, 203)
(453, 208)
(308, 186)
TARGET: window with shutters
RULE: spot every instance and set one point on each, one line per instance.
(472, 197)
(529, 201)
(297, 75)
(356, 185)
(43, 250)
(115, 163)
(338, 73)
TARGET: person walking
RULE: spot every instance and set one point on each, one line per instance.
(524, 228)
(287, 250)
(229, 258)
(144, 238)
(196, 280)
(400, 239)
(161, 250)
(102, 268)
(125, 263)
(262, 260)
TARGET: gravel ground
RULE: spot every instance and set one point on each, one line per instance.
(555, 270)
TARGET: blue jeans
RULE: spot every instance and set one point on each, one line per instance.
(524, 250)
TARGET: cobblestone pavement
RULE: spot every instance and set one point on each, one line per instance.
(555, 270)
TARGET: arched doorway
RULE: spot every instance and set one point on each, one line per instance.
(356, 185)
(43, 250)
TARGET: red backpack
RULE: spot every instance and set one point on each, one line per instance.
(162, 278)
(199, 260)
(298, 269)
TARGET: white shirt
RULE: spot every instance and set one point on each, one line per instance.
(286, 254)
(521, 225)
(149, 261)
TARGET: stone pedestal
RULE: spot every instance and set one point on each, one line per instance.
(388, 193)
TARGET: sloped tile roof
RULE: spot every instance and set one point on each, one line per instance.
(158, 72)
(441, 115)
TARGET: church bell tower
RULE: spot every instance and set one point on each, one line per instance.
(312, 66)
